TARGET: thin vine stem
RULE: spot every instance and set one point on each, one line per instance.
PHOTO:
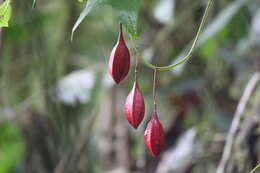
(154, 87)
(187, 56)
(136, 66)
(257, 166)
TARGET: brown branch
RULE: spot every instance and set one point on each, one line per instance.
(236, 121)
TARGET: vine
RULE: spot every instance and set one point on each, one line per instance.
(183, 59)
(254, 170)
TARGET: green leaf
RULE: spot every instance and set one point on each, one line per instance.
(91, 4)
(5, 13)
(3, 7)
(34, 2)
(127, 13)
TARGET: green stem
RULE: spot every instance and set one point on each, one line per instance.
(154, 88)
(257, 166)
(186, 57)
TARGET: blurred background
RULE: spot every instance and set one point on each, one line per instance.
(60, 112)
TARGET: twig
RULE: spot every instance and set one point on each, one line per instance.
(257, 166)
(236, 121)
(154, 87)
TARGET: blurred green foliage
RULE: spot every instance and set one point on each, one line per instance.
(11, 147)
(5, 13)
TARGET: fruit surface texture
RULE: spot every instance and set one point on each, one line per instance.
(119, 61)
(154, 136)
(134, 106)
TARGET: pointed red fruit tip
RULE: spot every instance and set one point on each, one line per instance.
(134, 106)
(154, 136)
(119, 61)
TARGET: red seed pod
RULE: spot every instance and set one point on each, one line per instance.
(119, 61)
(154, 136)
(134, 106)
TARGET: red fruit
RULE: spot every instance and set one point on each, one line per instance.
(154, 136)
(134, 106)
(119, 61)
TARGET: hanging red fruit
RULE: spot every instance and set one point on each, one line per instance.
(154, 136)
(134, 106)
(119, 61)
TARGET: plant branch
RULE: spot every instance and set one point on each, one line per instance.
(236, 121)
(257, 166)
(188, 55)
(154, 87)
